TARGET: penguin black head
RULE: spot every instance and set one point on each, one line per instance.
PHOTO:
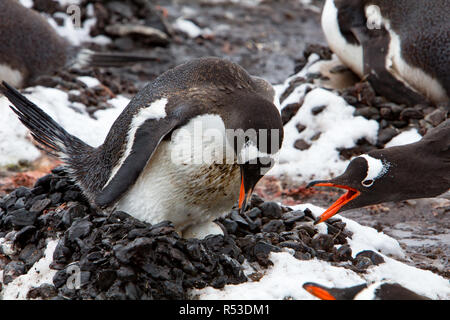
(364, 184)
(412, 171)
(256, 140)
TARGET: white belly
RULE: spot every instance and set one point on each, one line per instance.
(351, 55)
(183, 190)
(410, 75)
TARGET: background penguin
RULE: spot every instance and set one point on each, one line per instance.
(402, 46)
(30, 47)
(412, 171)
(148, 166)
(376, 291)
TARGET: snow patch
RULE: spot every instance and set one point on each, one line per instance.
(40, 273)
(15, 142)
(406, 137)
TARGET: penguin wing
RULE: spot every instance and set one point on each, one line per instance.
(148, 135)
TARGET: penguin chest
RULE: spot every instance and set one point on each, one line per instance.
(189, 180)
(350, 54)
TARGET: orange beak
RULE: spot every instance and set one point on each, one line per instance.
(335, 207)
(318, 292)
(243, 197)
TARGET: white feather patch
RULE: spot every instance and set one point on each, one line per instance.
(351, 55)
(156, 110)
(375, 167)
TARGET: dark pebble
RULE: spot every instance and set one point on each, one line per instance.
(79, 229)
(40, 205)
(301, 145)
(323, 242)
(21, 217)
(374, 257)
(44, 291)
(12, 270)
(271, 210)
(317, 110)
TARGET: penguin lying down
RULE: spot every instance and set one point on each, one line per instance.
(31, 48)
(383, 290)
(187, 146)
(412, 171)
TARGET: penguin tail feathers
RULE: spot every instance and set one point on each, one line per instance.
(90, 58)
(49, 134)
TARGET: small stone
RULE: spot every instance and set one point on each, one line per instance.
(44, 291)
(273, 226)
(24, 235)
(362, 263)
(436, 117)
(254, 213)
(316, 110)
(411, 113)
(386, 135)
(300, 127)
(301, 145)
(271, 210)
(79, 230)
(30, 254)
(21, 217)
(374, 257)
(40, 205)
(344, 253)
(230, 225)
(323, 242)
(13, 270)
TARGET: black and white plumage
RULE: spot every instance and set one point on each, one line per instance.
(145, 165)
(30, 48)
(412, 171)
(402, 47)
(382, 290)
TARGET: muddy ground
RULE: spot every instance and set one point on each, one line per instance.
(269, 40)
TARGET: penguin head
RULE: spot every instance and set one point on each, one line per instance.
(364, 180)
(325, 293)
(256, 136)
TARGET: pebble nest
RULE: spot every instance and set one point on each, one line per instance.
(121, 257)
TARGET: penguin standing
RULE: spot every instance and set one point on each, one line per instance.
(186, 147)
(402, 47)
(30, 48)
(384, 290)
(412, 171)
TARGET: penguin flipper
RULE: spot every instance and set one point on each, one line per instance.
(375, 44)
(147, 138)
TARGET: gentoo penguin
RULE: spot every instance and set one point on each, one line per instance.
(383, 290)
(186, 147)
(402, 47)
(30, 48)
(412, 171)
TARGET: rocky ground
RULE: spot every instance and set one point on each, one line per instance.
(119, 257)
(271, 40)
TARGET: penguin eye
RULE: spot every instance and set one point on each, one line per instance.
(367, 183)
